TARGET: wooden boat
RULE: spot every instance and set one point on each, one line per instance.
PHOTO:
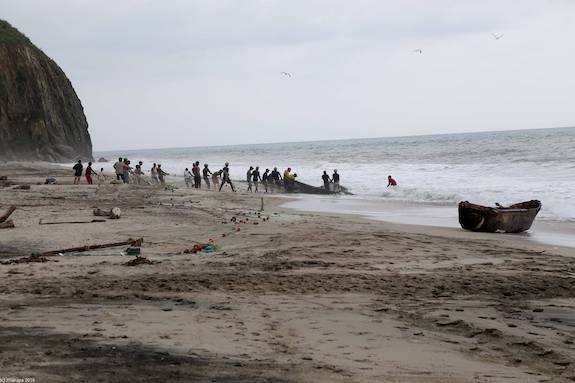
(513, 219)
(300, 187)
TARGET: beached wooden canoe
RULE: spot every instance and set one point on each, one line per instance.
(300, 187)
(513, 219)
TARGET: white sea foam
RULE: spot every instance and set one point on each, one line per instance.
(504, 167)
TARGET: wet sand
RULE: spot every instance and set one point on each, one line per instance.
(289, 296)
(547, 232)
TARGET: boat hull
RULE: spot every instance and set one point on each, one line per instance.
(513, 219)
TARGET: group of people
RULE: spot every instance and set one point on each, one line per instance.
(79, 169)
(218, 179)
(270, 180)
(328, 182)
(128, 174)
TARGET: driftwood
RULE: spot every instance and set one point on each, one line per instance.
(7, 225)
(131, 242)
(58, 223)
(5, 216)
(3, 178)
(113, 213)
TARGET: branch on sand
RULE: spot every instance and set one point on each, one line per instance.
(80, 249)
(63, 222)
(5, 216)
(6, 223)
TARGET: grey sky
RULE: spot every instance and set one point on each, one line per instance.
(174, 73)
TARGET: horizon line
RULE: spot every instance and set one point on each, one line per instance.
(332, 139)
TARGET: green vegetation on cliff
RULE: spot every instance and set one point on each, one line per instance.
(10, 35)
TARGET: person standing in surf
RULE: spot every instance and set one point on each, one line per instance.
(326, 180)
(335, 179)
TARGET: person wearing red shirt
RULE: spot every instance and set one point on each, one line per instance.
(89, 173)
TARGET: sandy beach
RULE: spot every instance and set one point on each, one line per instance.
(288, 296)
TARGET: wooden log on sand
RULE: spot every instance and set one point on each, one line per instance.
(67, 222)
(5, 216)
(7, 225)
(114, 213)
(80, 249)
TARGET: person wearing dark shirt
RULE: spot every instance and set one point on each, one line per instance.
(335, 179)
(226, 177)
(276, 178)
(206, 175)
(197, 175)
(161, 174)
(265, 178)
(326, 180)
(78, 172)
(89, 173)
(256, 177)
(391, 181)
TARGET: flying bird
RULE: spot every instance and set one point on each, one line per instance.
(286, 74)
(497, 36)
(418, 51)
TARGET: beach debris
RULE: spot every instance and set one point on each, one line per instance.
(140, 261)
(6, 223)
(22, 187)
(41, 222)
(3, 178)
(113, 213)
(262, 207)
(132, 242)
(30, 259)
(8, 213)
(50, 181)
(133, 250)
(9, 224)
(209, 247)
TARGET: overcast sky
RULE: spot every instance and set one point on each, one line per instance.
(177, 73)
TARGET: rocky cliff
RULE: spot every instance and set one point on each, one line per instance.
(41, 117)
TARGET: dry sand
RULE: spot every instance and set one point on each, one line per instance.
(298, 297)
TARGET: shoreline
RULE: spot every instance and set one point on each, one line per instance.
(288, 296)
(426, 215)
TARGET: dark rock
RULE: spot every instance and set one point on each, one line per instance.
(41, 117)
(102, 159)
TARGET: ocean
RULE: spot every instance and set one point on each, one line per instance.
(432, 170)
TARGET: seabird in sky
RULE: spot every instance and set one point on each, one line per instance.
(497, 36)
(286, 74)
(418, 51)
